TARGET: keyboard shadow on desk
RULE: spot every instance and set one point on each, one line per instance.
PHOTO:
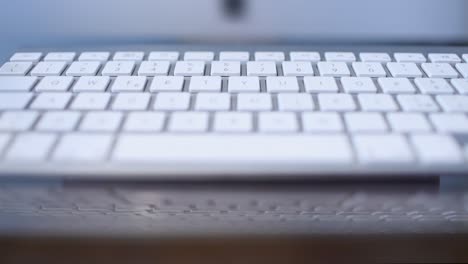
(150, 209)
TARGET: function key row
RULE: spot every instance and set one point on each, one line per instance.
(240, 56)
(235, 68)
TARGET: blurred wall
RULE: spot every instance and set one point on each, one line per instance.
(33, 23)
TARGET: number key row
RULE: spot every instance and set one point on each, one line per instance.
(234, 68)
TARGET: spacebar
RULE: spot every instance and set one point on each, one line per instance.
(189, 148)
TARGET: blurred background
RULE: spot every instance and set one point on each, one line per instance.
(54, 23)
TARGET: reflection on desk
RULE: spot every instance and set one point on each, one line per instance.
(166, 209)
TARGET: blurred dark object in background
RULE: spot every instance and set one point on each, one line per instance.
(234, 9)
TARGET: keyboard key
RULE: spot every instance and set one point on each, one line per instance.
(377, 102)
(460, 84)
(451, 123)
(254, 102)
(91, 101)
(225, 68)
(444, 58)
(322, 122)
(453, 103)
(417, 103)
(365, 122)
(58, 121)
(51, 101)
(232, 122)
(436, 149)
(333, 69)
(463, 69)
(129, 84)
(439, 70)
(31, 147)
(433, 86)
(243, 84)
(131, 101)
(144, 122)
(261, 68)
(118, 68)
(17, 121)
(16, 83)
(213, 102)
(408, 122)
(282, 84)
(54, 84)
(465, 57)
(375, 57)
(83, 68)
(101, 121)
(277, 122)
(172, 101)
(167, 84)
(239, 56)
(336, 102)
(60, 56)
(129, 56)
(405, 70)
(205, 84)
(340, 57)
(269, 56)
(358, 85)
(295, 102)
(94, 56)
(234, 149)
(189, 68)
(15, 101)
(82, 147)
(91, 84)
(320, 84)
(49, 68)
(297, 68)
(396, 85)
(171, 56)
(199, 56)
(15, 68)
(305, 56)
(382, 149)
(369, 69)
(410, 57)
(154, 68)
(188, 122)
(26, 56)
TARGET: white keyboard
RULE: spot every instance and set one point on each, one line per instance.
(214, 113)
